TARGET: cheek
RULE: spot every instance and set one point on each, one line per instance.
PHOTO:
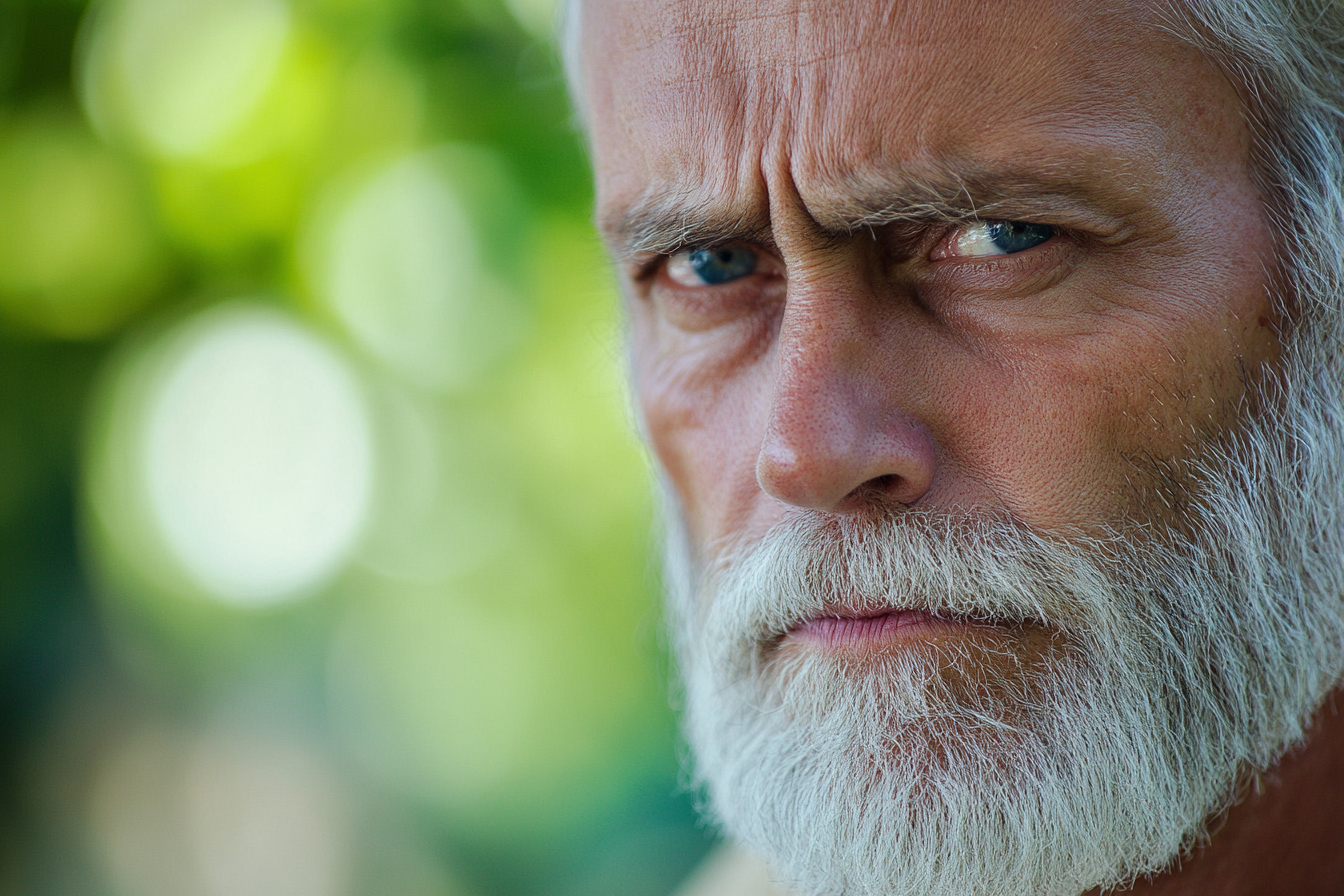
(1096, 424)
(705, 428)
(1036, 438)
(1073, 439)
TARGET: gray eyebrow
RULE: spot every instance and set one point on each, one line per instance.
(663, 223)
(964, 193)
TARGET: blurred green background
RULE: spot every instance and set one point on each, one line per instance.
(324, 538)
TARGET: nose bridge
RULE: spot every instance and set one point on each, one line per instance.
(836, 424)
(819, 385)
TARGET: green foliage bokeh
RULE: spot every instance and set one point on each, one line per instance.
(466, 692)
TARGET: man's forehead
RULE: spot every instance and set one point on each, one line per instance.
(695, 39)
(693, 69)
(691, 99)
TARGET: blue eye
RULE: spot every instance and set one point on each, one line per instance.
(1017, 236)
(983, 239)
(711, 267)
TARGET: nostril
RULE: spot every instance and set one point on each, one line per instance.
(893, 487)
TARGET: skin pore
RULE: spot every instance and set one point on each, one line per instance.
(848, 157)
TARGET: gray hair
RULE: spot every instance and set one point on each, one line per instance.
(1287, 58)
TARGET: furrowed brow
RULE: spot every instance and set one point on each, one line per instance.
(663, 227)
(955, 197)
(668, 224)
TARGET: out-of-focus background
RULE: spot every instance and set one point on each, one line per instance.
(324, 539)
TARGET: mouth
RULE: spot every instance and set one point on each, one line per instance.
(865, 631)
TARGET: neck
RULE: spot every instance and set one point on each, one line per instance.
(1284, 837)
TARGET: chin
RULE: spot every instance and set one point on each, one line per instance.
(903, 775)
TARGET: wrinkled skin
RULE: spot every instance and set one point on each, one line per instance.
(861, 362)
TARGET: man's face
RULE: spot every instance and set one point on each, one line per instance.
(858, 355)
(983, 292)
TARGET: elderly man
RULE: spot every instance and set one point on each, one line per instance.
(991, 356)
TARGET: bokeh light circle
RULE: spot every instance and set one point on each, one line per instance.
(400, 262)
(258, 457)
(177, 76)
(78, 252)
(243, 450)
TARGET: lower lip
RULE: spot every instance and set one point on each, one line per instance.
(833, 632)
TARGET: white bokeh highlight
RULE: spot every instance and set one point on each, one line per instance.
(219, 813)
(181, 75)
(399, 263)
(258, 456)
(264, 818)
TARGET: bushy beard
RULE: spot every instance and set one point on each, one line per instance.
(1148, 672)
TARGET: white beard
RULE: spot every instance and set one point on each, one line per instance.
(1180, 665)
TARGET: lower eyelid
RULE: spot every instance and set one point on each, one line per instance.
(707, 307)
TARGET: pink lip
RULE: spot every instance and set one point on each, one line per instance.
(873, 629)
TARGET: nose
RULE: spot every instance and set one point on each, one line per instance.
(837, 432)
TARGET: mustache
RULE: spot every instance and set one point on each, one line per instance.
(968, 566)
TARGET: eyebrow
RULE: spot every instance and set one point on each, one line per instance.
(664, 222)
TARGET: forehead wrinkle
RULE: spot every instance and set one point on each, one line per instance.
(710, 42)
